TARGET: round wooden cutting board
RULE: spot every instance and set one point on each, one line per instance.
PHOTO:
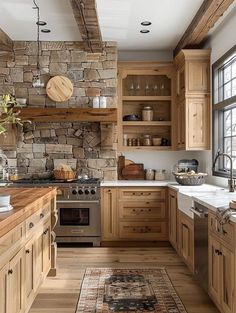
(59, 88)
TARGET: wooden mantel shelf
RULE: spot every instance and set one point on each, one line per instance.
(36, 114)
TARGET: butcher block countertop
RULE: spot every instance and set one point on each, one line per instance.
(25, 202)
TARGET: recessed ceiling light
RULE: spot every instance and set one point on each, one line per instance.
(41, 23)
(146, 23)
(45, 30)
(144, 31)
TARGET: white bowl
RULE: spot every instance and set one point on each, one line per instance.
(4, 200)
(21, 101)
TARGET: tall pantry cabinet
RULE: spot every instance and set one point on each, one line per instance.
(193, 101)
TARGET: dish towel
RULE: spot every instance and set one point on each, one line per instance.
(224, 213)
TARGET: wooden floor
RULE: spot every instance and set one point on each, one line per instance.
(60, 294)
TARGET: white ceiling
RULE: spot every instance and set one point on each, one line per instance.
(18, 20)
(120, 21)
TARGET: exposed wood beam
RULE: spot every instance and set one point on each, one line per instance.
(206, 17)
(6, 44)
(85, 13)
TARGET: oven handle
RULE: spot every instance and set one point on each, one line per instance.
(199, 214)
(78, 201)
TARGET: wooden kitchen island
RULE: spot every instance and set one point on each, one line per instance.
(27, 246)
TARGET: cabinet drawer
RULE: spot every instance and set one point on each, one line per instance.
(225, 232)
(143, 230)
(12, 238)
(37, 218)
(142, 194)
(142, 209)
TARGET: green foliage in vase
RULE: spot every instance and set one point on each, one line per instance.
(9, 112)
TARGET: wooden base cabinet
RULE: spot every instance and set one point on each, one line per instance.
(134, 214)
(222, 269)
(186, 239)
(173, 218)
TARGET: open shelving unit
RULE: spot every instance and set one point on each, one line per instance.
(145, 85)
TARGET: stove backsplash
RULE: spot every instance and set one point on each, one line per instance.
(43, 146)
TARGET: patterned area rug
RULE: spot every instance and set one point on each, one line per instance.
(107, 290)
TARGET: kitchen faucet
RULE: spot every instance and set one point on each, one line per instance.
(231, 181)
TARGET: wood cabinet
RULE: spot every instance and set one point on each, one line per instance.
(193, 108)
(173, 218)
(9, 138)
(134, 214)
(29, 274)
(186, 239)
(222, 266)
(109, 213)
(4, 289)
(145, 84)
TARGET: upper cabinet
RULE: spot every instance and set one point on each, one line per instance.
(192, 101)
(145, 91)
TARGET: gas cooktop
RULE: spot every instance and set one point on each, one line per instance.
(81, 181)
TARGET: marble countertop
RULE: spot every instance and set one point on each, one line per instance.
(136, 183)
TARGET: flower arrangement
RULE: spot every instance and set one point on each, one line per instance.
(9, 112)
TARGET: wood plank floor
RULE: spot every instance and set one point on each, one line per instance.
(60, 294)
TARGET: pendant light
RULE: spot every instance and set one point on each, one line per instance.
(37, 82)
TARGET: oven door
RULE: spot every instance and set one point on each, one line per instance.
(78, 218)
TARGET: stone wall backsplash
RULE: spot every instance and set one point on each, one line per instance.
(42, 146)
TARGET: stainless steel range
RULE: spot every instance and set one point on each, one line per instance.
(79, 212)
(79, 209)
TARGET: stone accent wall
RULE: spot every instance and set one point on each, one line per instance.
(41, 146)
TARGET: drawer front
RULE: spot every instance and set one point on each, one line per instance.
(12, 238)
(143, 230)
(225, 232)
(142, 194)
(142, 210)
(36, 219)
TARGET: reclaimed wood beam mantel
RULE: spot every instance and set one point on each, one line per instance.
(69, 114)
(85, 13)
(6, 44)
(206, 17)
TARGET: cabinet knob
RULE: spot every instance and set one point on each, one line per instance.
(41, 215)
(31, 225)
(10, 271)
(27, 251)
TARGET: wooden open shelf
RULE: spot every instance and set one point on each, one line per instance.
(146, 123)
(36, 114)
(146, 98)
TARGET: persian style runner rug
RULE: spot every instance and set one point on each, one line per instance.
(106, 290)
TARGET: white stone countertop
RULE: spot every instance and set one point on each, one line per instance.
(210, 196)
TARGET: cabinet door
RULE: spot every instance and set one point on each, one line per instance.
(186, 240)
(173, 226)
(198, 123)
(46, 248)
(38, 261)
(198, 76)
(3, 289)
(15, 293)
(181, 124)
(228, 281)
(109, 214)
(29, 272)
(214, 269)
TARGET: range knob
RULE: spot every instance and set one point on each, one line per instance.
(80, 192)
(86, 191)
(74, 192)
(93, 192)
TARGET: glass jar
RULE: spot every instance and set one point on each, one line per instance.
(147, 140)
(160, 175)
(150, 174)
(147, 113)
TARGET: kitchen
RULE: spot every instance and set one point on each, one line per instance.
(113, 100)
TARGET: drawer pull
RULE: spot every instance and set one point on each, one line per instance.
(41, 215)
(134, 210)
(141, 210)
(149, 210)
(27, 251)
(31, 225)
(10, 271)
(46, 231)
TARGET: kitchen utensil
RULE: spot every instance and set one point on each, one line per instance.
(133, 171)
(189, 179)
(120, 165)
(59, 88)
(149, 174)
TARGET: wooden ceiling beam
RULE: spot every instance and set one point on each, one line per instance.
(6, 44)
(206, 17)
(85, 13)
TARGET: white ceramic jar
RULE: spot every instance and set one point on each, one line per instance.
(96, 102)
(103, 102)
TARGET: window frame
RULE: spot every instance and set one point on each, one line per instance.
(217, 114)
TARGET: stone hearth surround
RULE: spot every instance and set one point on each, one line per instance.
(41, 146)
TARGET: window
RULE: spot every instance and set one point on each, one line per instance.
(224, 111)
